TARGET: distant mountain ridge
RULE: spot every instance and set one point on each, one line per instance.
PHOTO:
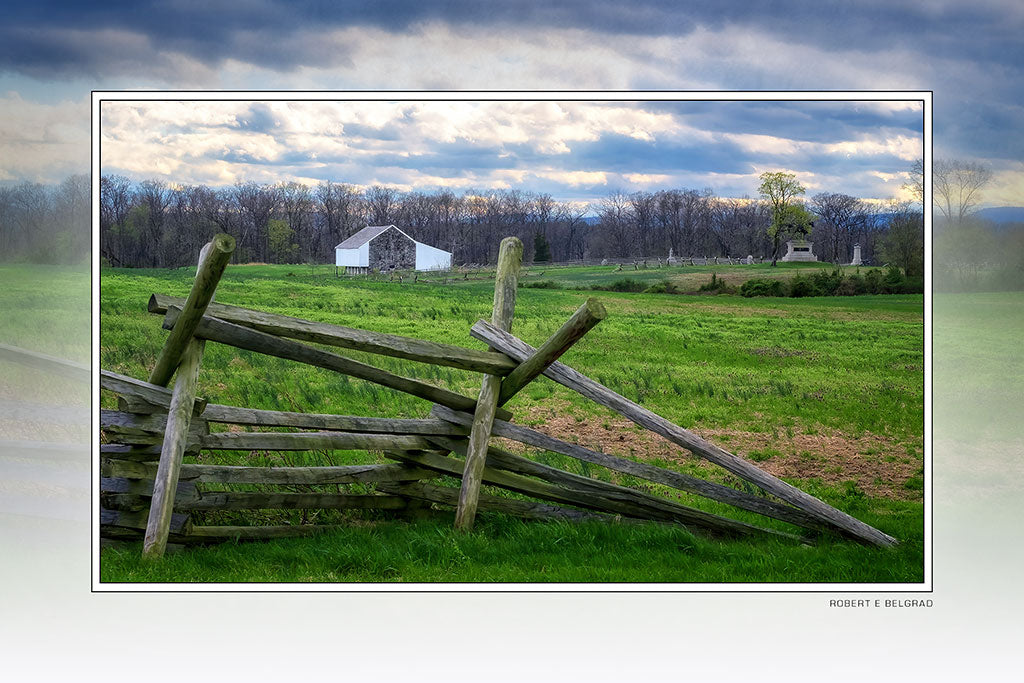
(1003, 214)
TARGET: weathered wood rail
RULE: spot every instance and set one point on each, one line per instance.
(40, 477)
(152, 486)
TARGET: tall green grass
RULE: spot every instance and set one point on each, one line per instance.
(503, 549)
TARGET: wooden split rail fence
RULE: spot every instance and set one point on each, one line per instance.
(46, 476)
(149, 491)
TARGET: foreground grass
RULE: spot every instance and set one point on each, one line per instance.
(978, 435)
(978, 364)
(44, 309)
(502, 549)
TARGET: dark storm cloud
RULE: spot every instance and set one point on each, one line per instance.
(622, 154)
(259, 119)
(805, 121)
(971, 54)
(984, 129)
(263, 31)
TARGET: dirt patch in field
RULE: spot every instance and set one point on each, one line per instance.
(878, 465)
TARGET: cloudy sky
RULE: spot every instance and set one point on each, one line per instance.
(574, 150)
(970, 54)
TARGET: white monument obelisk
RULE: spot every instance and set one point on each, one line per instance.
(856, 256)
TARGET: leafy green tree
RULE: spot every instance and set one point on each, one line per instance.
(279, 235)
(541, 248)
(788, 217)
(903, 245)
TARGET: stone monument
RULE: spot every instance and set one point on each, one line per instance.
(856, 256)
(799, 250)
(750, 259)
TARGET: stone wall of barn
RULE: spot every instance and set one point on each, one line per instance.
(391, 249)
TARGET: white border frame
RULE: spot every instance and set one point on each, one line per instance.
(98, 97)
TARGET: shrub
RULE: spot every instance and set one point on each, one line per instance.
(541, 284)
(716, 285)
(873, 282)
(760, 286)
(663, 287)
(626, 284)
(913, 284)
(834, 283)
(856, 283)
(801, 286)
(826, 283)
(893, 281)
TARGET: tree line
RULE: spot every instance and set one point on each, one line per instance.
(153, 224)
(46, 223)
(971, 254)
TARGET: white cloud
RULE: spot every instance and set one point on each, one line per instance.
(1007, 186)
(767, 144)
(647, 178)
(905, 147)
(43, 142)
(576, 178)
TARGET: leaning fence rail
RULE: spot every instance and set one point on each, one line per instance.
(44, 478)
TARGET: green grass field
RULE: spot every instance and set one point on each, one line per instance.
(44, 309)
(824, 392)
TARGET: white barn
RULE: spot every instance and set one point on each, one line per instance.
(385, 247)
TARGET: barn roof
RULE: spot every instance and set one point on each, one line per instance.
(365, 235)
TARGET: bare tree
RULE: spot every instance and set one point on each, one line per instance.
(739, 226)
(382, 205)
(616, 224)
(340, 214)
(840, 218)
(30, 214)
(916, 183)
(116, 197)
(154, 195)
(903, 243)
(298, 206)
(256, 205)
(571, 216)
(71, 220)
(470, 225)
(644, 206)
(958, 185)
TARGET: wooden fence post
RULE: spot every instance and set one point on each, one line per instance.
(583, 320)
(179, 417)
(212, 261)
(510, 259)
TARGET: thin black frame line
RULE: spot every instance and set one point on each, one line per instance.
(93, 556)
